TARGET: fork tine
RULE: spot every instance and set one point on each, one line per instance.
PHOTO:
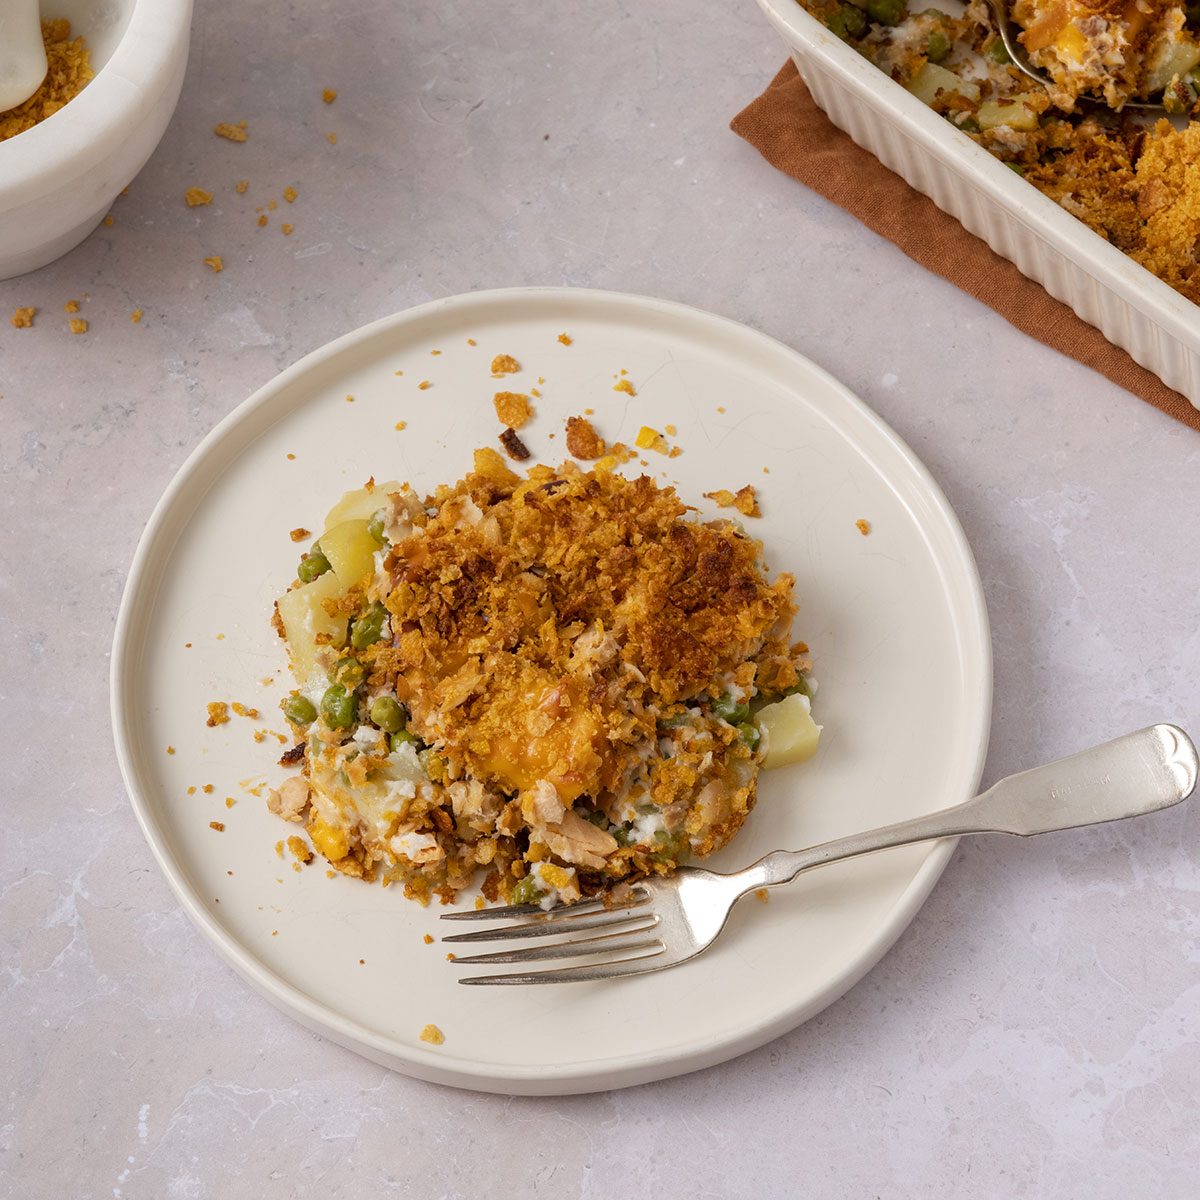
(609, 970)
(639, 896)
(584, 924)
(603, 943)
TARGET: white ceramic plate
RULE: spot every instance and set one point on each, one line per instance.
(895, 619)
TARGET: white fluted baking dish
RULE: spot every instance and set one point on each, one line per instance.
(1131, 307)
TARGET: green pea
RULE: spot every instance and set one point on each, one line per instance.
(800, 687)
(887, 12)
(339, 707)
(847, 21)
(402, 737)
(749, 734)
(368, 628)
(598, 819)
(387, 714)
(375, 528)
(349, 672)
(526, 891)
(996, 51)
(938, 46)
(314, 563)
(674, 721)
(300, 710)
(729, 709)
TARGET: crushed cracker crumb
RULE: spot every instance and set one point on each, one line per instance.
(582, 439)
(505, 364)
(78, 325)
(137, 315)
(424, 384)
(329, 95)
(287, 230)
(863, 526)
(71, 306)
(196, 197)
(401, 425)
(513, 408)
(216, 262)
(218, 714)
(331, 138)
(241, 186)
(290, 194)
(428, 939)
(219, 826)
(299, 534)
(230, 132)
(22, 318)
(433, 1035)
(565, 339)
(623, 385)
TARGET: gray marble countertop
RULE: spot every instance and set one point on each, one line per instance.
(1033, 1034)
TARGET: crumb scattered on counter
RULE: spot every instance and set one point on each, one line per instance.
(329, 95)
(433, 1035)
(513, 446)
(349, 399)
(195, 197)
(71, 306)
(513, 408)
(241, 186)
(110, 221)
(290, 194)
(650, 439)
(472, 342)
(208, 789)
(219, 826)
(287, 230)
(170, 749)
(78, 325)
(231, 132)
(331, 138)
(428, 939)
(23, 318)
(218, 714)
(582, 439)
(863, 526)
(229, 801)
(291, 458)
(262, 220)
(762, 895)
(242, 711)
(299, 534)
(623, 385)
(216, 262)
(401, 426)
(424, 384)
(69, 69)
(505, 364)
(565, 339)
(137, 315)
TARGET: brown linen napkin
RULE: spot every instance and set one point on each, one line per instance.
(793, 134)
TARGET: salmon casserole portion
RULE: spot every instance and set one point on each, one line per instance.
(543, 684)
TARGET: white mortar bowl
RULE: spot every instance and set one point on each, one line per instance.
(58, 179)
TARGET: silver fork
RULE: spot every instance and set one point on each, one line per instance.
(661, 923)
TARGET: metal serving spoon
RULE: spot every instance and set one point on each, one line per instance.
(1020, 59)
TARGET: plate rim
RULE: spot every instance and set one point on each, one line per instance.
(581, 1076)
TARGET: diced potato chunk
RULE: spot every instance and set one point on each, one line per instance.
(351, 552)
(360, 504)
(304, 616)
(1177, 58)
(792, 735)
(1014, 114)
(931, 79)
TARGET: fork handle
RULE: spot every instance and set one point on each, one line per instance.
(1139, 773)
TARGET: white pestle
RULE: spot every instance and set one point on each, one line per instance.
(22, 53)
